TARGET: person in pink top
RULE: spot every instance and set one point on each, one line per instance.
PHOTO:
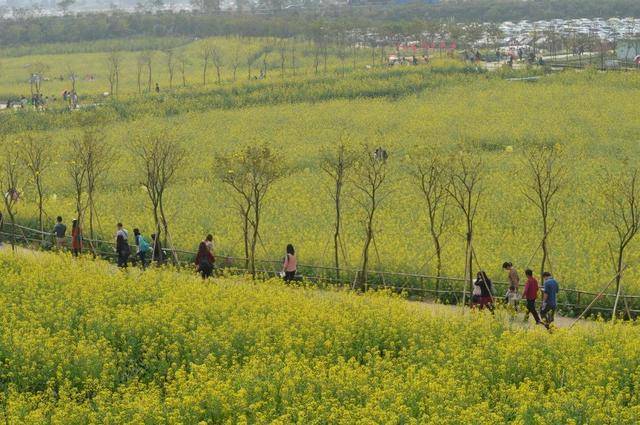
(290, 266)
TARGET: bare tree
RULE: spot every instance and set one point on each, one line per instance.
(78, 174)
(430, 173)
(92, 157)
(140, 61)
(235, 63)
(161, 156)
(114, 61)
(11, 178)
(342, 55)
(148, 62)
(622, 195)
(250, 173)
(36, 158)
(216, 58)
(293, 58)
(465, 188)
(265, 58)
(73, 77)
(182, 63)
(171, 65)
(283, 57)
(37, 71)
(336, 164)
(316, 56)
(368, 178)
(546, 174)
(250, 60)
(205, 53)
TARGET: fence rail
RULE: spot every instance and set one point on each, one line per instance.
(445, 288)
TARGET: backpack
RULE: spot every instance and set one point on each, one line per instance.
(144, 245)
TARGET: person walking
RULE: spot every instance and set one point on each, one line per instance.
(204, 261)
(550, 290)
(531, 294)
(209, 242)
(158, 253)
(76, 238)
(513, 293)
(120, 230)
(122, 245)
(60, 231)
(143, 247)
(483, 283)
(290, 265)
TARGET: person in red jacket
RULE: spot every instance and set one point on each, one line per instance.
(76, 238)
(204, 260)
(531, 294)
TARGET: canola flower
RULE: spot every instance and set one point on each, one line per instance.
(84, 343)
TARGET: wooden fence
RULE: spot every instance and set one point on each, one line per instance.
(447, 289)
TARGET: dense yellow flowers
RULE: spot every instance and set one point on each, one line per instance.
(81, 342)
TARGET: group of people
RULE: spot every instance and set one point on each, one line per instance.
(483, 293)
(122, 247)
(151, 251)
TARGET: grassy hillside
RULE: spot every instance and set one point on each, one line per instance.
(84, 343)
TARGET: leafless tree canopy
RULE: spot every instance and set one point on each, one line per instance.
(622, 212)
(369, 177)
(546, 175)
(114, 61)
(430, 173)
(161, 157)
(250, 173)
(36, 158)
(11, 177)
(88, 168)
(337, 163)
(465, 189)
(171, 65)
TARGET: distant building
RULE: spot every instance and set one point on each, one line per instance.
(628, 50)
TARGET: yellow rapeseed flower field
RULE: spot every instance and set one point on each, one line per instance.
(84, 343)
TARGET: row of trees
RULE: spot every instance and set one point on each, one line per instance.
(402, 19)
(177, 63)
(451, 185)
(29, 160)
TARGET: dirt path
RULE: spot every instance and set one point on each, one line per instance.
(444, 309)
(560, 321)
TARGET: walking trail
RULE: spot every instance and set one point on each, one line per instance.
(438, 308)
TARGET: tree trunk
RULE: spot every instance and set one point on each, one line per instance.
(254, 238)
(545, 249)
(245, 229)
(41, 210)
(619, 267)
(436, 243)
(365, 252)
(150, 78)
(336, 235)
(204, 74)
